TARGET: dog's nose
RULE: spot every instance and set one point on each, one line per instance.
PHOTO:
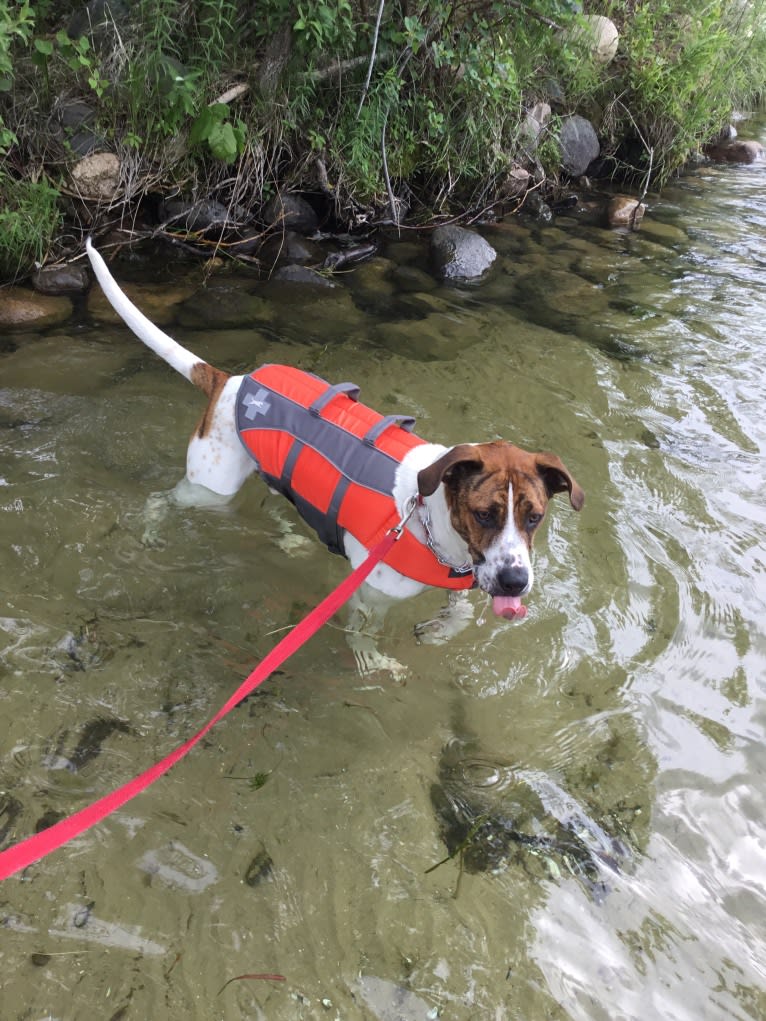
(513, 580)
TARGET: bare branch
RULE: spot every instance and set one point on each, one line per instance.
(372, 58)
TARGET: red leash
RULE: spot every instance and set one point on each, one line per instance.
(33, 848)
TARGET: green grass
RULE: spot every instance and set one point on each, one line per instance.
(30, 218)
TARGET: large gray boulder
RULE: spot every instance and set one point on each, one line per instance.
(460, 254)
(579, 144)
(291, 212)
(598, 35)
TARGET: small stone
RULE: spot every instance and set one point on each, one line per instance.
(534, 122)
(97, 176)
(260, 868)
(291, 212)
(625, 211)
(69, 278)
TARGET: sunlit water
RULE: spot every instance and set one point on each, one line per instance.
(296, 841)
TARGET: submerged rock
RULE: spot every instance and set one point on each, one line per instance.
(491, 814)
(21, 309)
(625, 211)
(159, 302)
(304, 275)
(460, 254)
(738, 150)
(227, 303)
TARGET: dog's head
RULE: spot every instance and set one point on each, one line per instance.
(497, 495)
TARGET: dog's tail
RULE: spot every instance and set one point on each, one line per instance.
(188, 364)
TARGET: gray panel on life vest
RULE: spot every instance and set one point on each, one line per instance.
(258, 407)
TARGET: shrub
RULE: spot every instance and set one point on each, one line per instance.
(688, 64)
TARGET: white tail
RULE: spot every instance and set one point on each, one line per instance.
(178, 357)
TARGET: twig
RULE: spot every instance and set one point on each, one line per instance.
(233, 93)
(372, 58)
(389, 189)
(532, 14)
(334, 69)
(648, 174)
(237, 978)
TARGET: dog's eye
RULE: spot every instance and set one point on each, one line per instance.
(486, 518)
(533, 519)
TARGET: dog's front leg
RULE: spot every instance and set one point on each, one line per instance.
(448, 622)
(367, 611)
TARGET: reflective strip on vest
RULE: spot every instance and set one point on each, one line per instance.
(335, 459)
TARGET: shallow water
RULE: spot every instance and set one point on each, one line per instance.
(297, 839)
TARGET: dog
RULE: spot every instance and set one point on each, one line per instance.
(470, 511)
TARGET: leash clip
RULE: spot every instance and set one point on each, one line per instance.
(409, 507)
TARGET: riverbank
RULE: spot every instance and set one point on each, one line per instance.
(200, 122)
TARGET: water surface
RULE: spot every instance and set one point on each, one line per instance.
(297, 839)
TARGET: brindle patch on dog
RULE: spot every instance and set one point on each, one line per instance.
(210, 381)
(479, 480)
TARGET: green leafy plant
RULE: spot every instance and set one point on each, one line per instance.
(29, 219)
(16, 26)
(225, 138)
(76, 54)
(323, 25)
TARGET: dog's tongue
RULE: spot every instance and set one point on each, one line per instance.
(510, 607)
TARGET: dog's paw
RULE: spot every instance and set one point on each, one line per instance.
(373, 662)
(430, 632)
(450, 621)
(370, 660)
(294, 545)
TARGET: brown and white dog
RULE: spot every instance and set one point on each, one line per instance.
(478, 504)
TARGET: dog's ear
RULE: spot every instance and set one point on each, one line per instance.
(557, 479)
(464, 455)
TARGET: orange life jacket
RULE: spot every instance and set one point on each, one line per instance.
(336, 460)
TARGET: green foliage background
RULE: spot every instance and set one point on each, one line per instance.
(441, 105)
